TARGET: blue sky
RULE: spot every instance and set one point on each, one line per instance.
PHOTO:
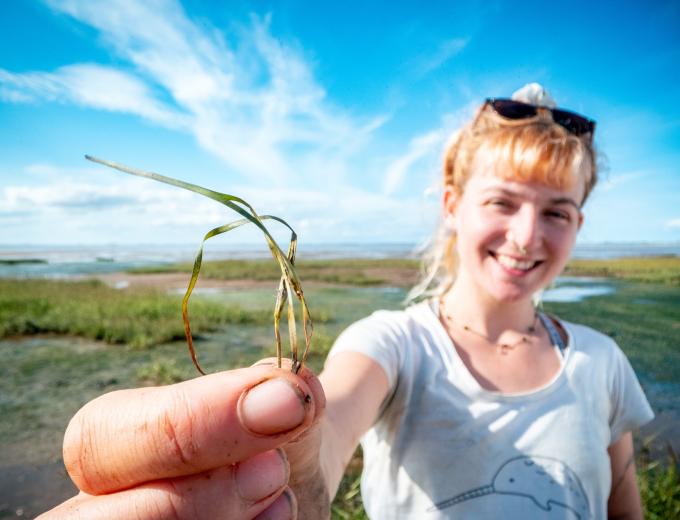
(331, 115)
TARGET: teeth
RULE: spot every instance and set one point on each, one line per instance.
(513, 263)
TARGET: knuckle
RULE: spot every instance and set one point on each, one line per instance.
(178, 425)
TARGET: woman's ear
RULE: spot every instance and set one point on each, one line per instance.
(449, 207)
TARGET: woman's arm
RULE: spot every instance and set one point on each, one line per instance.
(624, 498)
(355, 387)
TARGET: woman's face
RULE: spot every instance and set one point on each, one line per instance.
(513, 238)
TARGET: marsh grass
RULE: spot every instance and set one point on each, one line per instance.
(160, 372)
(659, 269)
(659, 483)
(348, 504)
(138, 318)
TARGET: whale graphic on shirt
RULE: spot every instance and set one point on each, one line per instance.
(547, 482)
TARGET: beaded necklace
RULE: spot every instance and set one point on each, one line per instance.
(504, 347)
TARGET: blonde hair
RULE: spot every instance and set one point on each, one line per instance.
(531, 150)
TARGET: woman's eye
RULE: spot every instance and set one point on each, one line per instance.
(500, 203)
(560, 215)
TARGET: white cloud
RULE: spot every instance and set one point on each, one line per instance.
(136, 210)
(92, 86)
(424, 153)
(254, 103)
(446, 50)
(419, 147)
(673, 223)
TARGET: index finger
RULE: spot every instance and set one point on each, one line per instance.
(132, 436)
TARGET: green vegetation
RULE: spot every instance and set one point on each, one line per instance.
(356, 272)
(659, 486)
(160, 373)
(660, 269)
(139, 318)
(347, 504)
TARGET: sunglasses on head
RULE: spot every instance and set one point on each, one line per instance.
(571, 121)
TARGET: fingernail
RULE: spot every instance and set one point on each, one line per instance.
(283, 508)
(262, 475)
(273, 406)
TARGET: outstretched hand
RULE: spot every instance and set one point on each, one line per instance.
(236, 444)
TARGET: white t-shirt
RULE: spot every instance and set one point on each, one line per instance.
(444, 447)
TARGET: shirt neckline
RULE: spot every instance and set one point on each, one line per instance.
(472, 382)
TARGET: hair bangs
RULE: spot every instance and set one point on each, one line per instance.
(544, 154)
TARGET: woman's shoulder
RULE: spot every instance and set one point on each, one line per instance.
(590, 341)
(586, 332)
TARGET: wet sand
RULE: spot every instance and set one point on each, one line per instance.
(391, 276)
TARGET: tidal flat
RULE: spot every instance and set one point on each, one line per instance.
(65, 342)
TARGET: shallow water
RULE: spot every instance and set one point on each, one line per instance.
(575, 293)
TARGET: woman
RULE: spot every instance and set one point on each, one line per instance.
(469, 404)
(487, 408)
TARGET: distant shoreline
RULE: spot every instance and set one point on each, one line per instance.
(67, 262)
(221, 251)
(395, 272)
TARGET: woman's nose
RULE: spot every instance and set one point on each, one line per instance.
(523, 230)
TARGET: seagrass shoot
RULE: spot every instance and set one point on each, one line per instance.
(289, 288)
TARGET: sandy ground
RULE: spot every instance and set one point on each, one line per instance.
(393, 277)
(171, 281)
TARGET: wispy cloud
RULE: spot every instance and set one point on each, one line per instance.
(673, 223)
(119, 208)
(92, 86)
(248, 103)
(446, 50)
(423, 146)
(424, 151)
(66, 195)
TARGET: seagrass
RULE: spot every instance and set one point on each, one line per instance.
(289, 286)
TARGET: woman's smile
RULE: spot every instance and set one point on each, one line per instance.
(515, 266)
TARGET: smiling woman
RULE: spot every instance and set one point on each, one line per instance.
(479, 405)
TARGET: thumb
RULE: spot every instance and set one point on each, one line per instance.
(132, 436)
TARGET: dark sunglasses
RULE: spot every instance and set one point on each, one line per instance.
(511, 109)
